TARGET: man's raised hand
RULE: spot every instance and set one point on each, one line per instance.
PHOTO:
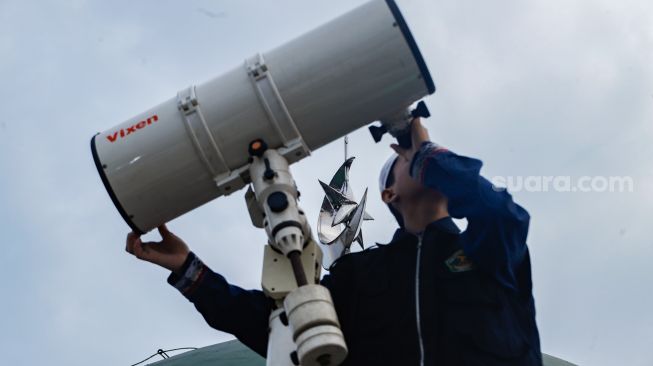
(419, 134)
(170, 252)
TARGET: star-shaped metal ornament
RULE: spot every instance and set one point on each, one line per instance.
(341, 218)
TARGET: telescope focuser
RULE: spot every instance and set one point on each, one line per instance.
(398, 125)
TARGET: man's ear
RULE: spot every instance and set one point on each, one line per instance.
(388, 195)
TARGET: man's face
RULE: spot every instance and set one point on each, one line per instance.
(405, 188)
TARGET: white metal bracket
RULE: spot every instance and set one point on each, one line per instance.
(199, 132)
(232, 181)
(275, 108)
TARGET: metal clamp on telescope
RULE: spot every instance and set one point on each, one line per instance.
(305, 328)
(398, 125)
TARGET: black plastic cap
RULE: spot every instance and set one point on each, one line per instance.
(277, 202)
(377, 132)
(421, 111)
(257, 148)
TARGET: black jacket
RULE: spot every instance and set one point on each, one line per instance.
(465, 316)
(439, 298)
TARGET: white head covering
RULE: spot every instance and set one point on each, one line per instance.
(386, 171)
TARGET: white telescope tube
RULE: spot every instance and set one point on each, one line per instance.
(187, 151)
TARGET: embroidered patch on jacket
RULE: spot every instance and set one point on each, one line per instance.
(459, 262)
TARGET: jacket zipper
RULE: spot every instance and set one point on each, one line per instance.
(419, 325)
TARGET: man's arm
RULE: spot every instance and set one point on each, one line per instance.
(225, 307)
(497, 227)
(495, 238)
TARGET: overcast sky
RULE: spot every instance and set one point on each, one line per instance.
(533, 88)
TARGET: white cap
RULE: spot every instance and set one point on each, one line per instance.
(386, 171)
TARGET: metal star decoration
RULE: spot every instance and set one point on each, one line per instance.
(341, 218)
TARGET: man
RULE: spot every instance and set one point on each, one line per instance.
(432, 296)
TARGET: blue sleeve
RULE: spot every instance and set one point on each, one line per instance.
(495, 239)
(229, 308)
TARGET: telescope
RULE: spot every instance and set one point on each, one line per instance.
(361, 67)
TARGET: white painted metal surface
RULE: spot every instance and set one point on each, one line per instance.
(316, 330)
(280, 342)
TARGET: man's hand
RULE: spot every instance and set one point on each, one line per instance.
(418, 134)
(170, 252)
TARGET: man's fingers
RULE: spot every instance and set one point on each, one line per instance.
(131, 239)
(415, 127)
(418, 133)
(163, 230)
(142, 250)
(400, 151)
(136, 249)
